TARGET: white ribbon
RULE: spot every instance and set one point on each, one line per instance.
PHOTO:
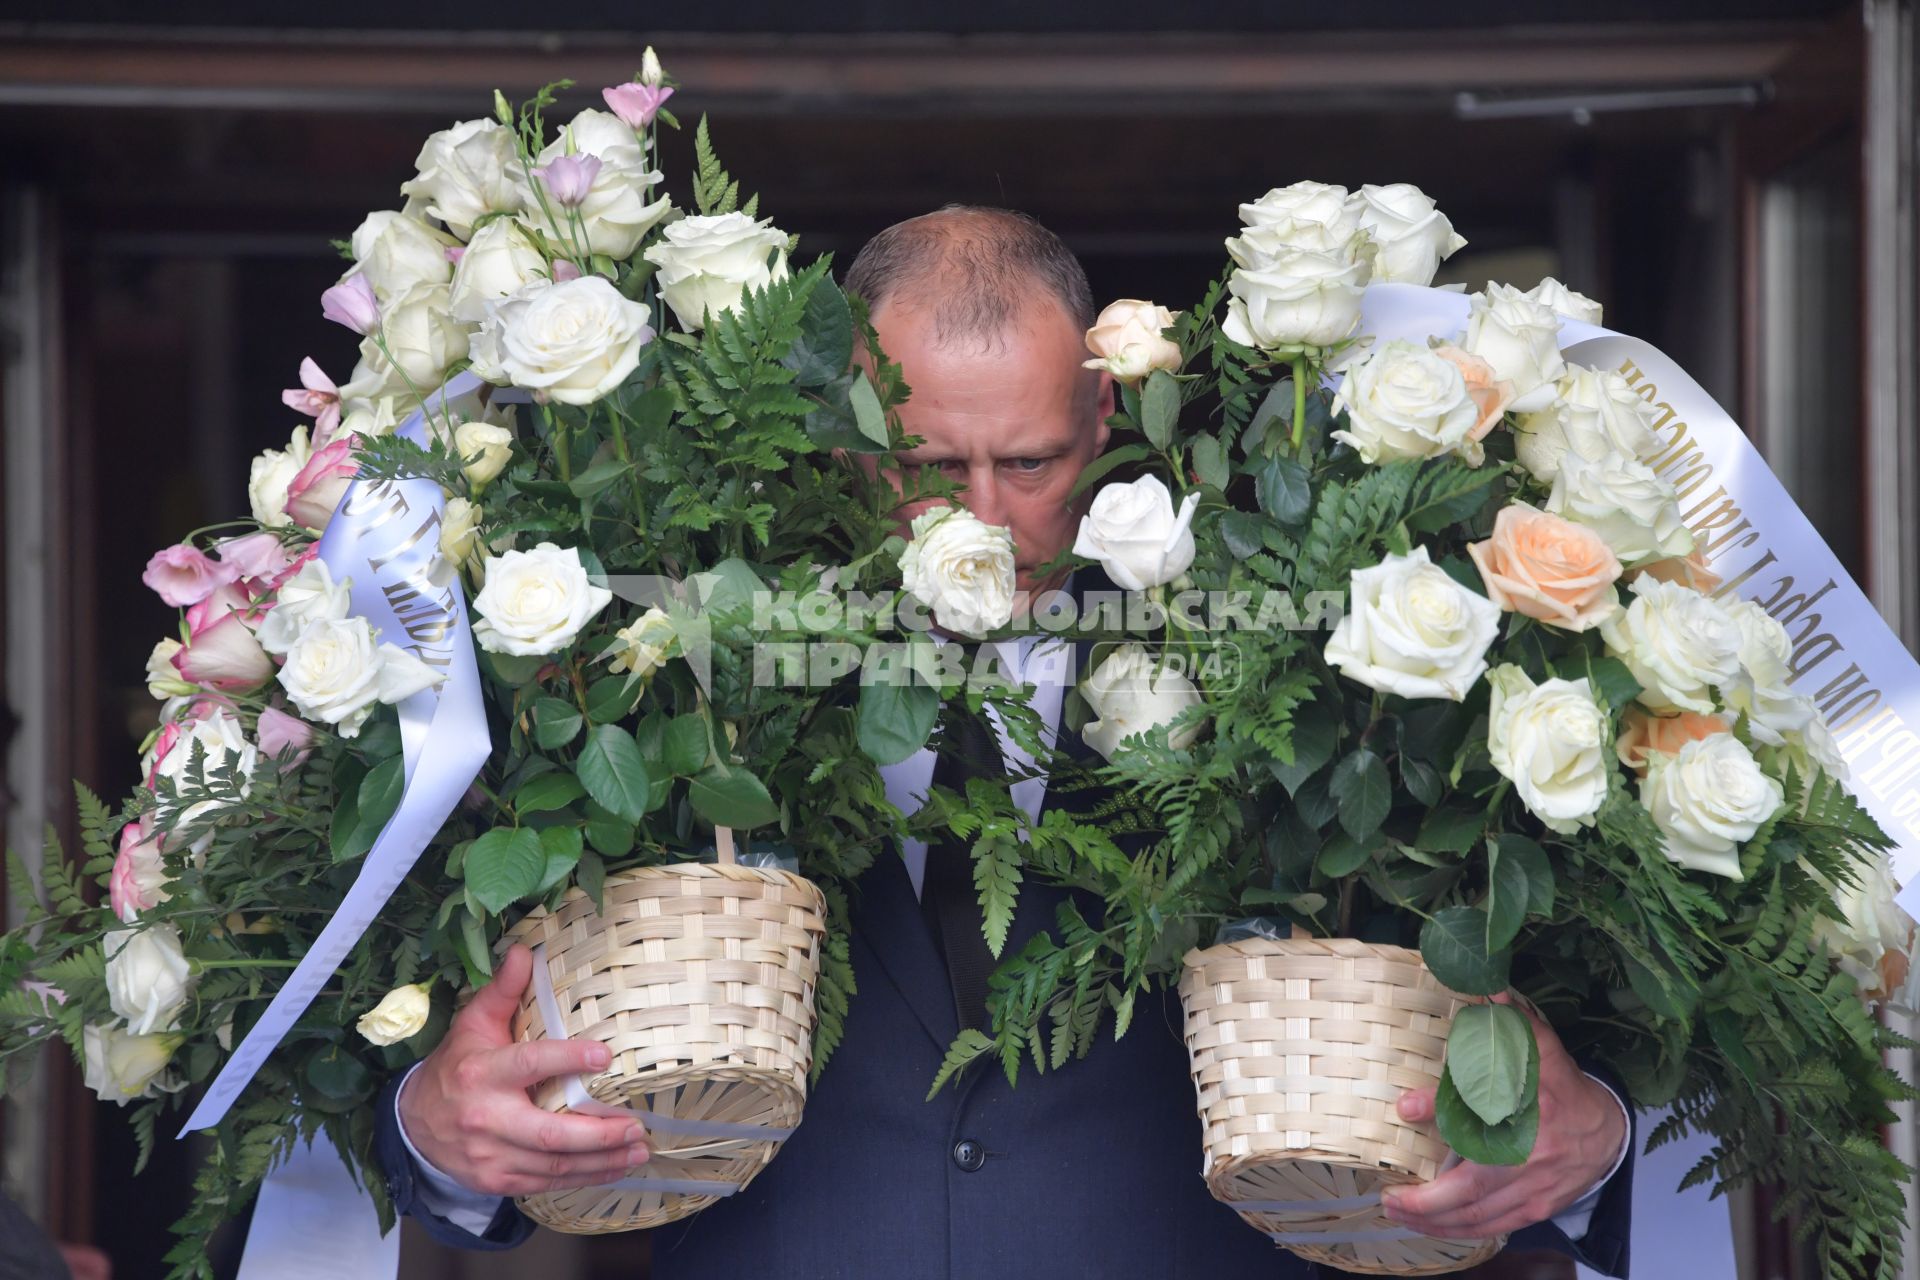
(312, 1222)
(1865, 682)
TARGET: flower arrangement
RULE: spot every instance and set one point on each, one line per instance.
(1535, 742)
(667, 399)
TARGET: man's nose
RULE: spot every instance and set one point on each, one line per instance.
(983, 496)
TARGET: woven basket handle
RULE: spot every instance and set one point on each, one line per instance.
(723, 845)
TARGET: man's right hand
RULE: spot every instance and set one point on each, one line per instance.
(468, 1112)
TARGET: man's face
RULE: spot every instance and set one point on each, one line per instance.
(1014, 421)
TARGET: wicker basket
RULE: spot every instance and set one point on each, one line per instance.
(700, 979)
(1300, 1051)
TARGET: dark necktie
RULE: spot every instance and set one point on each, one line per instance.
(947, 894)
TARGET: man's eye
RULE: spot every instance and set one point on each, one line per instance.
(1029, 464)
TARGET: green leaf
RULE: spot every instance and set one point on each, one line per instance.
(728, 796)
(555, 723)
(1106, 462)
(1507, 899)
(1488, 1051)
(1160, 408)
(1541, 889)
(1344, 855)
(512, 669)
(867, 413)
(608, 832)
(683, 745)
(547, 792)
(895, 719)
(1612, 682)
(380, 793)
(599, 477)
(1454, 945)
(1242, 533)
(611, 698)
(503, 866)
(1314, 737)
(824, 348)
(1285, 489)
(967, 1046)
(1450, 830)
(1360, 786)
(562, 847)
(592, 879)
(615, 775)
(1210, 462)
(1508, 1143)
(339, 1075)
(1422, 780)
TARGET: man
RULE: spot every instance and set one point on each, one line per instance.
(1088, 1171)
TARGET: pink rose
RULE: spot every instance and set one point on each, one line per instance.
(257, 557)
(1644, 735)
(1552, 570)
(221, 652)
(138, 881)
(1489, 394)
(184, 575)
(279, 732)
(314, 494)
(157, 755)
(636, 104)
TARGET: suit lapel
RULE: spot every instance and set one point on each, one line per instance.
(890, 920)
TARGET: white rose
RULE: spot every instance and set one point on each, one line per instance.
(1706, 800)
(1403, 401)
(1131, 693)
(961, 568)
(1311, 216)
(707, 264)
(120, 1067)
(1679, 644)
(535, 602)
(309, 596)
(1516, 335)
(423, 339)
(465, 173)
(502, 259)
(594, 132)
(222, 745)
(1874, 937)
(644, 644)
(270, 475)
(1411, 237)
(1301, 299)
(1127, 343)
(1134, 532)
(337, 672)
(163, 678)
(571, 342)
(1625, 502)
(1551, 740)
(371, 416)
(395, 253)
(1559, 299)
(616, 211)
(460, 531)
(400, 1015)
(485, 448)
(1761, 689)
(1597, 416)
(1411, 629)
(148, 978)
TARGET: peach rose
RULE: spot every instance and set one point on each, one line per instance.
(1643, 733)
(1689, 570)
(1489, 393)
(1550, 569)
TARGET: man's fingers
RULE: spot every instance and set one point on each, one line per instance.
(1416, 1106)
(529, 1062)
(493, 1005)
(1475, 1219)
(545, 1133)
(1461, 1185)
(592, 1170)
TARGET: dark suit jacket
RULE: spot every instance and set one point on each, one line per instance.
(1093, 1170)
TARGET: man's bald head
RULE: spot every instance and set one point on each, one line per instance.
(975, 270)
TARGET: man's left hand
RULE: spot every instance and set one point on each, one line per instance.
(1581, 1131)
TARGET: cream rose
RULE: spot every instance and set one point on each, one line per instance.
(148, 978)
(1132, 693)
(1550, 739)
(1644, 735)
(1556, 297)
(1311, 216)
(1127, 343)
(120, 1067)
(465, 173)
(270, 475)
(961, 568)
(572, 342)
(1872, 942)
(643, 645)
(1550, 569)
(1517, 337)
(485, 448)
(163, 678)
(460, 533)
(502, 259)
(395, 253)
(1596, 417)
(1301, 299)
(1679, 644)
(598, 133)
(1412, 630)
(309, 596)
(1136, 535)
(615, 212)
(337, 671)
(535, 602)
(1410, 236)
(1707, 798)
(222, 745)
(1490, 395)
(1761, 690)
(1689, 570)
(1405, 401)
(707, 264)
(422, 338)
(400, 1015)
(1625, 502)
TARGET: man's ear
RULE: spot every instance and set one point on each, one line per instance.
(1102, 409)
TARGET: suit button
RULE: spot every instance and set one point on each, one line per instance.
(969, 1155)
